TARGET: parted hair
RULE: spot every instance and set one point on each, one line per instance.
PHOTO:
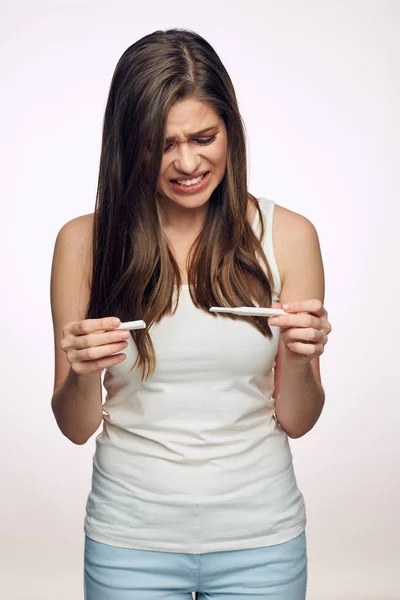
(134, 273)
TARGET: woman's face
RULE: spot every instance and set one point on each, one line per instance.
(195, 151)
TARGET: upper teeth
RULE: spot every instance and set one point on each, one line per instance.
(190, 181)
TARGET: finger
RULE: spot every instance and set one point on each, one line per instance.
(94, 366)
(100, 339)
(296, 320)
(309, 335)
(306, 349)
(96, 352)
(90, 325)
(314, 306)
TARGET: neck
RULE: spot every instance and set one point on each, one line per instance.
(182, 222)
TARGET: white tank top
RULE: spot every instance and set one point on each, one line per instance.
(192, 460)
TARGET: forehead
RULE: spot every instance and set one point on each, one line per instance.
(189, 116)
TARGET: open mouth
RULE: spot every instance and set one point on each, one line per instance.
(188, 182)
(191, 184)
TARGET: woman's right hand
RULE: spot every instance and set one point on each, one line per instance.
(90, 343)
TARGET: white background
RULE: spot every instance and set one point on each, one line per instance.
(318, 84)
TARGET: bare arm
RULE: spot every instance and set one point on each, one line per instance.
(300, 401)
(77, 400)
(77, 406)
(299, 394)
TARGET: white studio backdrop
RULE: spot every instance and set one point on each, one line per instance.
(319, 89)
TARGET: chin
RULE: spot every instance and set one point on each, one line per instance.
(187, 200)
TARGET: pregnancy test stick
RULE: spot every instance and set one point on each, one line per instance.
(132, 325)
(249, 311)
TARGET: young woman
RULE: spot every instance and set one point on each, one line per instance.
(193, 485)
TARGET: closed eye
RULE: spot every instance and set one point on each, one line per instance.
(202, 142)
(206, 141)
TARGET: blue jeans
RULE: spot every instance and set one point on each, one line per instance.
(276, 572)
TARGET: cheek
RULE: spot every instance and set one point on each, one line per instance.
(217, 154)
(163, 171)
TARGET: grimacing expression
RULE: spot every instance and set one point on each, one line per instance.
(195, 152)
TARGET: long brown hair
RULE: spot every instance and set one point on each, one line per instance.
(134, 270)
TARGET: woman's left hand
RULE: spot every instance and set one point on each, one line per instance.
(305, 330)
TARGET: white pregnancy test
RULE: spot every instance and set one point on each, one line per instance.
(132, 325)
(250, 311)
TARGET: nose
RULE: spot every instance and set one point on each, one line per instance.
(188, 159)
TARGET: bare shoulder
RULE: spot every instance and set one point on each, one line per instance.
(293, 235)
(70, 282)
(78, 231)
(74, 243)
(298, 254)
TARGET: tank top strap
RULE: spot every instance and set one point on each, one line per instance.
(267, 210)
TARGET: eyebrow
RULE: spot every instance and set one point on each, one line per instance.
(198, 133)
